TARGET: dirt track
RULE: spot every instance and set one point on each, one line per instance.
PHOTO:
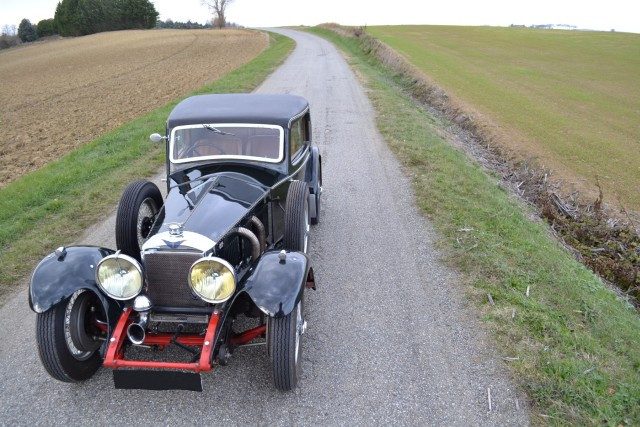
(390, 339)
(58, 95)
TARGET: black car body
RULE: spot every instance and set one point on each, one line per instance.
(229, 241)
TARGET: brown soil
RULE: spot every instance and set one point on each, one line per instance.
(61, 94)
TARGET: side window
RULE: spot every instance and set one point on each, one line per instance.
(299, 135)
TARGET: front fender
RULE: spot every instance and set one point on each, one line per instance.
(276, 286)
(56, 278)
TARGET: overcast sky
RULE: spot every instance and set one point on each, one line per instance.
(621, 15)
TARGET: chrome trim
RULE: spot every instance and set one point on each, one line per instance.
(142, 303)
(179, 318)
(176, 229)
(136, 331)
(188, 239)
(225, 156)
(127, 258)
(220, 261)
(302, 154)
(298, 116)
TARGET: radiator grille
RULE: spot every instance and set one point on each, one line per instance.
(166, 275)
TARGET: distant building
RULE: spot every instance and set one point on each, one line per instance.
(555, 27)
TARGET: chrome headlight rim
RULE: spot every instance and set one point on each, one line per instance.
(130, 260)
(227, 265)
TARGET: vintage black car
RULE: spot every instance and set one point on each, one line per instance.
(226, 247)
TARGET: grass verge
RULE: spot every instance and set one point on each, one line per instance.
(573, 346)
(54, 205)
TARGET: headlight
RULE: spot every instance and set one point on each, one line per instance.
(212, 279)
(119, 276)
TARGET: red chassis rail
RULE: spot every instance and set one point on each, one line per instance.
(115, 353)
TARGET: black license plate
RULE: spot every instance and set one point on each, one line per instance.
(156, 380)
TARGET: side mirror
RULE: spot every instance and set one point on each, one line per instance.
(156, 137)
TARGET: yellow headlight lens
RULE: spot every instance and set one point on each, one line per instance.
(119, 276)
(212, 279)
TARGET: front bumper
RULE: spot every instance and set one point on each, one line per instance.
(156, 375)
(115, 351)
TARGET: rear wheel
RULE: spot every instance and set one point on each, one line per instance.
(69, 336)
(296, 217)
(283, 340)
(137, 211)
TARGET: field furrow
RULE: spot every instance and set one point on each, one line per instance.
(58, 95)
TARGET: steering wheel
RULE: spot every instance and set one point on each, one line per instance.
(193, 150)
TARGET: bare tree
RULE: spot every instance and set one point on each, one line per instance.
(9, 30)
(218, 7)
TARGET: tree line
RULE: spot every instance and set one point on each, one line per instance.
(83, 17)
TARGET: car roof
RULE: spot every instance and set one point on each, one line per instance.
(238, 108)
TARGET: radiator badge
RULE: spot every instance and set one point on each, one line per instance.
(173, 245)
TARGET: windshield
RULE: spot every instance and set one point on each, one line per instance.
(226, 141)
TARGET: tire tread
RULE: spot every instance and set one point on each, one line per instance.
(45, 334)
(294, 215)
(280, 331)
(54, 352)
(125, 225)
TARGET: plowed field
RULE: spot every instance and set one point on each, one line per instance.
(58, 95)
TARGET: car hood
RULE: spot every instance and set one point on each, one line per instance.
(205, 209)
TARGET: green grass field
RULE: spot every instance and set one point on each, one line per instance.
(570, 99)
(574, 346)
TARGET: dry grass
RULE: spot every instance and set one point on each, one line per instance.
(61, 94)
(605, 240)
(570, 100)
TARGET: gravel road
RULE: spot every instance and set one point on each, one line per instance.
(390, 339)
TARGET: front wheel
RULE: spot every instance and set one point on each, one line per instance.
(69, 335)
(283, 341)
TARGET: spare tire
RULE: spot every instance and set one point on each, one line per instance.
(139, 206)
(296, 217)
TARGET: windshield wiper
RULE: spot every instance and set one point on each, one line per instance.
(216, 130)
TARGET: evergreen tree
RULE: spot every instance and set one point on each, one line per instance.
(46, 27)
(27, 31)
(80, 17)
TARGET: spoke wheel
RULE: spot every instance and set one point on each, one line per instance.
(146, 216)
(80, 331)
(284, 337)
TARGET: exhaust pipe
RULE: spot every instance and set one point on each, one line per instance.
(248, 234)
(135, 331)
(142, 304)
(260, 232)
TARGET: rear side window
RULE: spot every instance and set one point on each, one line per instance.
(299, 136)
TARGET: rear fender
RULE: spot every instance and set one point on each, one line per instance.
(276, 286)
(56, 278)
(313, 177)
